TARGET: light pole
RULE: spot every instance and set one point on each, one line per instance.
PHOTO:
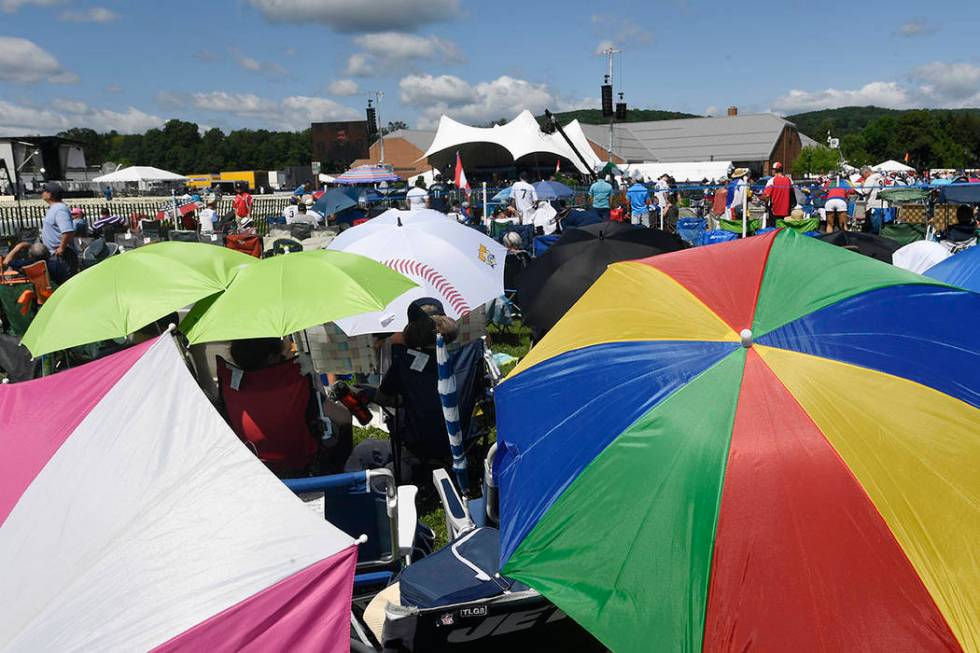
(20, 214)
(381, 131)
(611, 54)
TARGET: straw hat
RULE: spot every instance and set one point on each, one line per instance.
(797, 214)
(739, 172)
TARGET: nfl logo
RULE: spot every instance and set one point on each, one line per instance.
(446, 619)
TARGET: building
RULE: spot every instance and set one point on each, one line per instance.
(403, 150)
(26, 162)
(753, 141)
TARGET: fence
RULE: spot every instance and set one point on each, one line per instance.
(29, 214)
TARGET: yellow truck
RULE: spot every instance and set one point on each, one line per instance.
(257, 180)
(201, 181)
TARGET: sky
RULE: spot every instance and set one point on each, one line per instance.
(130, 65)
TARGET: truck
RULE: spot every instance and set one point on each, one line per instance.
(201, 181)
(256, 180)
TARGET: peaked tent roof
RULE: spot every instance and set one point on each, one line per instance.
(892, 166)
(139, 174)
(747, 137)
(154, 528)
(521, 137)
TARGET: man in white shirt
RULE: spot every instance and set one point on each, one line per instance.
(418, 197)
(545, 218)
(207, 217)
(662, 188)
(524, 197)
(303, 215)
(289, 213)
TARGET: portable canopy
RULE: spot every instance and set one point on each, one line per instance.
(960, 193)
(683, 171)
(139, 175)
(892, 166)
(133, 519)
(505, 144)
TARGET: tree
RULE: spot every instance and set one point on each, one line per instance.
(817, 160)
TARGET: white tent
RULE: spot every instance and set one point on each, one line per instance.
(519, 138)
(892, 166)
(138, 174)
(683, 171)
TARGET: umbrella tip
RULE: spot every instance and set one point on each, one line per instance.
(746, 335)
(171, 327)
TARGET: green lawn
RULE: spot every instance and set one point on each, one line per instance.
(515, 341)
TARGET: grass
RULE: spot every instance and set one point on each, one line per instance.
(515, 341)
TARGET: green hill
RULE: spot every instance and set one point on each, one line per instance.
(850, 120)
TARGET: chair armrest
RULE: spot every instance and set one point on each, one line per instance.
(407, 519)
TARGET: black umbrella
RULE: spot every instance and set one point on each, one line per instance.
(555, 281)
(876, 247)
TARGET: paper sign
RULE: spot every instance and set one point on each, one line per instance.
(419, 360)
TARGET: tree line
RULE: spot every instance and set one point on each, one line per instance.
(932, 138)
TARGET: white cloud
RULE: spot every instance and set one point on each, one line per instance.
(19, 119)
(290, 113)
(397, 46)
(24, 62)
(916, 27)
(945, 85)
(396, 51)
(359, 65)
(89, 15)
(618, 32)
(479, 103)
(267, 68)
(343, 87)
(881, 94)
(10, 6)
(359, 16)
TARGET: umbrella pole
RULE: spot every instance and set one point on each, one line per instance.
(484, 220)
(745, 212)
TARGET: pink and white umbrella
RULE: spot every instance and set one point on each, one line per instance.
(132, 518)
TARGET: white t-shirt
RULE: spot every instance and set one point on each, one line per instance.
(207, 217)
(290, 213)
(545, 216)
(416, 198)
(662, 187)
(524, 197)
(298, 218)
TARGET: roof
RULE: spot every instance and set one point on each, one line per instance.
(750, 137)
(420, 138)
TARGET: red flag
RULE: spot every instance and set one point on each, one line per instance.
(558, 166)
(461, 176)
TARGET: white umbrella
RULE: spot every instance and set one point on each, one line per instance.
(454, 263)
(919, 256)
(142, 174)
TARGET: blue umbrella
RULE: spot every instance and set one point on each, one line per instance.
(502, 196)
(333, 202)
(961, 270)
(450, 411)
(553, 190)
(369, 194)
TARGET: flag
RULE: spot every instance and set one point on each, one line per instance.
(558, 166)
(461, 176)
(906, 157)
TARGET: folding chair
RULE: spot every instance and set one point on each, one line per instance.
(367, 503)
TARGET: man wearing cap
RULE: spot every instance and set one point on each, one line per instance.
(779, 191)
(639, 201)
(599, 193)
(57, 228)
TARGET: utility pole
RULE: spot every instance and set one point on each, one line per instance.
(610, 54)
(381, 130)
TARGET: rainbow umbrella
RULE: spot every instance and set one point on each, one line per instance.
(771, 444)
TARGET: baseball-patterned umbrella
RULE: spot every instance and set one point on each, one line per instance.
(765, 445)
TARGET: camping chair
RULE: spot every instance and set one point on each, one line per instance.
(17, 303)
(128, 241)
(152, 230)
(271, 412)
(246, 243)
(367, 503)
(37, 272)
(285, 246)
(212, 239)
(543, 243)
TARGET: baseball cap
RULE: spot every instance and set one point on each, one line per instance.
(777, 166)
(417, 309)
(54, 188)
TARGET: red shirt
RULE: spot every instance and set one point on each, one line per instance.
(243, 205)
(780, 192)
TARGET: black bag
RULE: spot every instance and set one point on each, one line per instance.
(183, 236)
(301, 230)
(285, 246)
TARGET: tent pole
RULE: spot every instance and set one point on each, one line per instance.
(485, 203)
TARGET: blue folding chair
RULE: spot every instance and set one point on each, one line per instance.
(368, 503)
